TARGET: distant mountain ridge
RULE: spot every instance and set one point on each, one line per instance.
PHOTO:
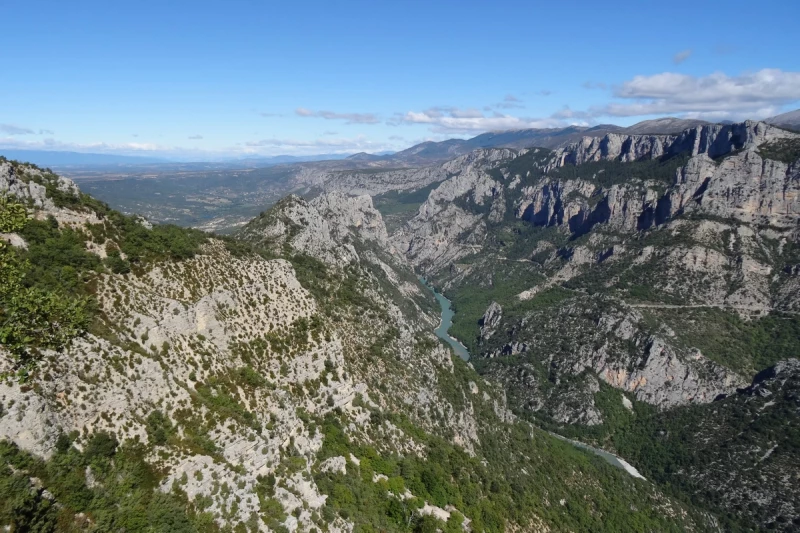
(419, 155)
(664, 126)
(552, 138)
(786, 120)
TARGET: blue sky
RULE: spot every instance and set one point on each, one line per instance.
(199, 80)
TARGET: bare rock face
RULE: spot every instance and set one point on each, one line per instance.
(617, 146)
(745, 187)
(348, 214)
(26, 183)
(322, 228)
(456, 231)
(491, 319)
(603, 338)
(712, 140)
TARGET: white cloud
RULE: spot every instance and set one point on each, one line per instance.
(349, 118)
(681, 56)
(99, 147)
(195, 137)
(454, 120)
(750, 95)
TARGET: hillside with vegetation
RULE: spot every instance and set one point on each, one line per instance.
(287, 379)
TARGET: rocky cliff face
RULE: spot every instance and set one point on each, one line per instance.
(746, 187)
(743, 186)
(616, 214)
(323, 228)
(712, 140)
(608, 340)
(457, 229)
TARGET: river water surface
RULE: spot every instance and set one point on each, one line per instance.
(461, 351)
(446, 322)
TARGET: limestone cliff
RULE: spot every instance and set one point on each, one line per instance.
(702, 219)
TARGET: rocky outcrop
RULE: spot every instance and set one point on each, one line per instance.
(324, 228)
(27, 183)
(742, 449)
(491, 319)
(347, 214)
(745, 187)
(21, 182)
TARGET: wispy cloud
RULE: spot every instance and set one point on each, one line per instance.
(509, 102)
(349, 118)
(336, 145)
(566, 113)
(10, 129)
(195, 137)
(681, 56)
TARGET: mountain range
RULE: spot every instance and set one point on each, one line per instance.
(418, 155)
(634, 290)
